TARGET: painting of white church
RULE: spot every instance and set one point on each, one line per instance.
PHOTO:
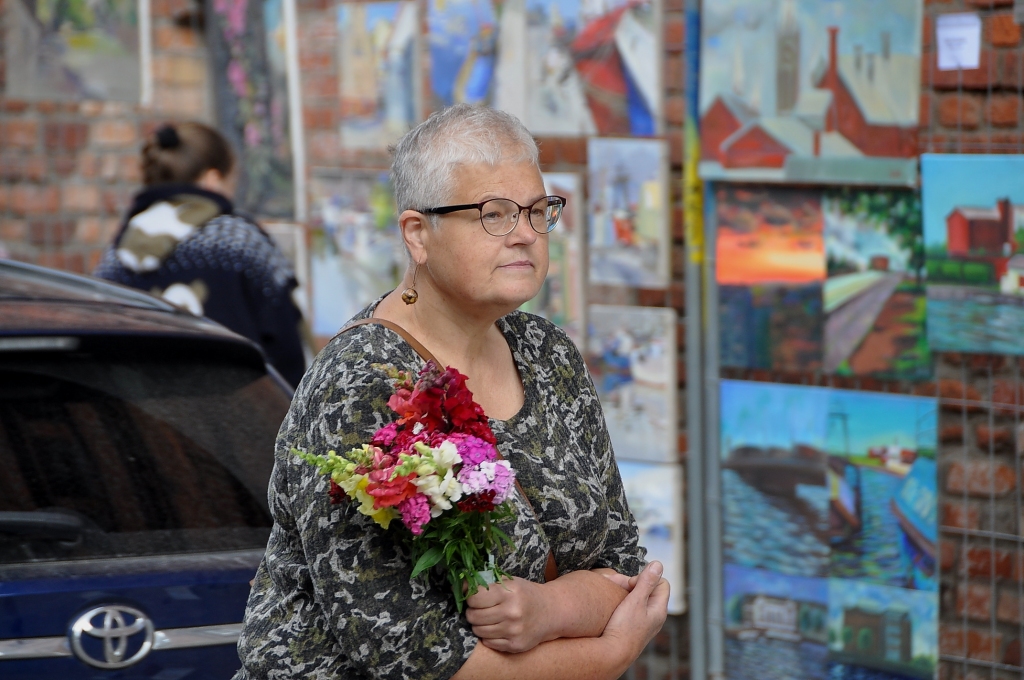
(810, 91)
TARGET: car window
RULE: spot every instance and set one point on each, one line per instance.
(147, 456)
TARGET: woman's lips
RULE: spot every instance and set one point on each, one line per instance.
(521, 264)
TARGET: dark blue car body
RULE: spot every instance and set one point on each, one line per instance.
(136, 442)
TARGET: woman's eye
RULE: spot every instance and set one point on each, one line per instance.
(492, 216)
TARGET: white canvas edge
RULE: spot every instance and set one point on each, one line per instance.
(295, 128)
(145, 54)
(582, 243)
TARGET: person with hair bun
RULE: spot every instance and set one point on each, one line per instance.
(183, 240)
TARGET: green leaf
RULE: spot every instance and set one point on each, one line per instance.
(426, 561)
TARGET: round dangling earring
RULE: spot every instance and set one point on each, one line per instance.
(409, 295)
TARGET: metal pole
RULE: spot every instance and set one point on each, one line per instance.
(694, 222)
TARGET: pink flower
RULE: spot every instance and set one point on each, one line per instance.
(253, 136)
(473, 450)
(236, 76)
(473, 480)
(415, 513)
(504, 480)
(488, 476)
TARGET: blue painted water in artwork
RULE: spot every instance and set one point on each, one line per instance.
(769, 659)
(972, 325)
(840, 671)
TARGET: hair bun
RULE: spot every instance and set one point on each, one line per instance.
(167, 137)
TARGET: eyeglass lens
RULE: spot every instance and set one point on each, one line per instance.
(500, 216)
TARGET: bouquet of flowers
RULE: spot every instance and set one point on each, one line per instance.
(436, 470)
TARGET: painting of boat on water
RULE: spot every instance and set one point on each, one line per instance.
(631, 354)
(380, 80)
(356, 253)
(463, 43)
(882, 488)
(628, 207)
(776, 626)
(880, 633)
(805, 91)
(874, 294)
(770, 256)
(654, 492)
(974, 243)
(574, 67)
(562, 298)
(774, 495)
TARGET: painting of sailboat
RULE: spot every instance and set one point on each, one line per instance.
(463, 42)
(581, 67)
(356, 252)
(631, 354)
(562, 298)
(379, 83)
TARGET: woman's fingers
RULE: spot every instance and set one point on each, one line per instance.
(489, 596)
(486, 616)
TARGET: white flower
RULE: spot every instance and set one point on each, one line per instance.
(447, 455)
(440, 491)
(417, 428)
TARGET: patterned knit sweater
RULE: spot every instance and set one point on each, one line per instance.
(333, 597)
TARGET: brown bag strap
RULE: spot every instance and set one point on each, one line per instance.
(551, 567)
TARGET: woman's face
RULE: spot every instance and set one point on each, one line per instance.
(471, 267)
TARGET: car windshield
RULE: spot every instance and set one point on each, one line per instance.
(137, 456)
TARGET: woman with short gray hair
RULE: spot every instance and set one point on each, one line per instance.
(333, 597)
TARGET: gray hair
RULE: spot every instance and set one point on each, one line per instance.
(424, 160)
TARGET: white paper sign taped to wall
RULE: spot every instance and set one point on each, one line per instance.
(958, 37)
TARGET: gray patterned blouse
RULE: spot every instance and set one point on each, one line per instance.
(333, 597)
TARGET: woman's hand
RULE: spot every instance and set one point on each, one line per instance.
(510, 616)
(641, 615)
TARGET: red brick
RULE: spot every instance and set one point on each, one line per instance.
(951, 393)
(320, 86)
(88, 165)
(998, 437)
(115, 201)
(675, 110)
(675, 35)
(1003, 31)
(27, 199)
(50, 233)
(22, 134)
(1009, 62)
(962, 111)
(972, 79)
(181, 101)
(1003, 110)
(129, 169)
(108, 166)
(114, 134)
(91, 108)
(974, 601)
(1011, 656)
(65, 136)
(13, 231)
(171, 37)
(315, 61)
(951, 434)
(980, 478)
(960, 516)
(80, 198)
(13, 106)
(980, 562)
(320, 117)
(990, 4)
(573, 150)
(672, 72)
(1008, 606)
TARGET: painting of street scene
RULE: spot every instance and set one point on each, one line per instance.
(463, 44)
(631, 354)
(72, 50)
(628, 206)
(380, 80)
(804, 90)
(356, 253)
(654, 492)
(562, 298)
(974, 249)
(770, 272)
(576, 67)
(880, 632)
(774, 495)
(874, 294)
(776, 626)
(882, 488)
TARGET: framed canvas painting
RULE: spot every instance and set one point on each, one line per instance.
(810, 91)
(380, 79)
(629, 231)
(462, 38)
(655, 495)
(631, 354)
(357, 253)
(974, 248)
(562, 298)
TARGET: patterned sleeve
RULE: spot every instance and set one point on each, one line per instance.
(384, 624)
(622, 551)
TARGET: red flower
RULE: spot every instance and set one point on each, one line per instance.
(336, 494)
(478, 502)
(388, 493)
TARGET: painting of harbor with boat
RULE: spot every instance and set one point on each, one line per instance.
(974, 244)
(770, 270)
(776, 626)
(874, 294)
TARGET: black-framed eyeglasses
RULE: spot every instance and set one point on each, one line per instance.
(499, 216)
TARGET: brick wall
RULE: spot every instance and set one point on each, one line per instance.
(69, 169)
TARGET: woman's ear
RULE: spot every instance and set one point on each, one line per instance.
(416, 234)
(212, 180)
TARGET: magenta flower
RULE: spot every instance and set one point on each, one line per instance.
(473, 450)
(415, 513)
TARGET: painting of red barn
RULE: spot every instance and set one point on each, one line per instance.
(810, 91)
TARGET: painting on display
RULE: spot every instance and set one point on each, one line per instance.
(771, 270)
(247, 44)
(810, 91)
(379, 81)
(631, 354)
(829, 486)
(463, 44)
(974, 249)
(357, 253)
(874, 297)
(629, 239)
(654, 492)
(562, 299)
(73, 50)
(574, 67)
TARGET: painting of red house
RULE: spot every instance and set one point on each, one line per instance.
(806, 90)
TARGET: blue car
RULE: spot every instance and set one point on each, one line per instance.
(136, 444)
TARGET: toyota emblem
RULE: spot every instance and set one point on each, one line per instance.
(118, 628)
